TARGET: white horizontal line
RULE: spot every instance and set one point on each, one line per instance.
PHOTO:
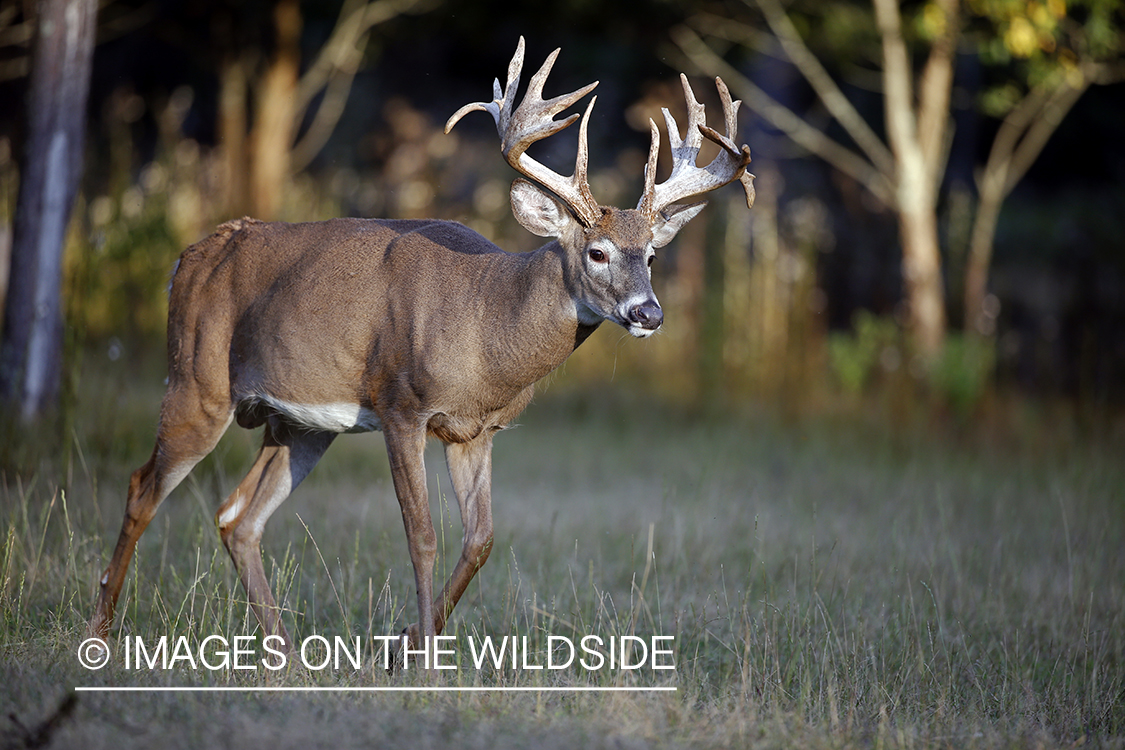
(391, 689)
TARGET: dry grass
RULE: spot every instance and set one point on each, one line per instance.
(828, 586)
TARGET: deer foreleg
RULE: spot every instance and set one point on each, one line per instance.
(405, 448)
(470, 469)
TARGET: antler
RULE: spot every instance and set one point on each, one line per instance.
(534, 120)
(686, 178)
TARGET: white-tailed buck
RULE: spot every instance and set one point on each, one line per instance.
(416, 328)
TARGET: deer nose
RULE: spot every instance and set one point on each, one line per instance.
(647, 315)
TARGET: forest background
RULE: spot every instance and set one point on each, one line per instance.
(973, 255)
(868, 475)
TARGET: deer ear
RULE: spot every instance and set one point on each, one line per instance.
(538, 212)
(671, 220)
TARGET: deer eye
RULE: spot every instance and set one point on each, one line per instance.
(651, 258)
(597, 255)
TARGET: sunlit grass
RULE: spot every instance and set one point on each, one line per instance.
(827, 584)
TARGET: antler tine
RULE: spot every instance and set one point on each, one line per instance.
(649, 194)
(539, 113)
(533, 120)
(502, 99)
(687, 179)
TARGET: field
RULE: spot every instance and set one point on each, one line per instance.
(828, 582)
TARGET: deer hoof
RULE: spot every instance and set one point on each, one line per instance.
(398, 662)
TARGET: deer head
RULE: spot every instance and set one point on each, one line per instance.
(609, 252)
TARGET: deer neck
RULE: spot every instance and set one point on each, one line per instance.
(540, 326)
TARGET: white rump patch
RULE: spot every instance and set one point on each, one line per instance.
(338, 417)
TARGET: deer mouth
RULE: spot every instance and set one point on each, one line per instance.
(641, 319)
(639, 331)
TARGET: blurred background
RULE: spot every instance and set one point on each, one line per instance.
(939, 232)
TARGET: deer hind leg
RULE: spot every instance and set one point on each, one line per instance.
(287, 456)
(188, 431)
(470, 469)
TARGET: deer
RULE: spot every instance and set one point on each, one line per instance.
(418, 328)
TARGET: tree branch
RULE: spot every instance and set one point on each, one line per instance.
(998, 177)
(834, 100)
(935, 87)
(334, 70)
(1019, 141)
(698, 54)
(1039, 132)
(1105, 73)
(897, 86)
(338, 50)
(15, 68)
(343, 51)
(740, 33)
(12, 33)
(324, 122)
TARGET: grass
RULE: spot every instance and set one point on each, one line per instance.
(828, 584)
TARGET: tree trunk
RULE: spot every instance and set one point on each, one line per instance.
(1018, 143)
(921, 273)
(990, 200)
(916, 139)
(232, 134)
(921, 254)
(31, 353)
(272, 137)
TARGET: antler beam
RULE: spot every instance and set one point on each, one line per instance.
(532, 121)
(687, 179)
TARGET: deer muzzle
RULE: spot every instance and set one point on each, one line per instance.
(644, 318)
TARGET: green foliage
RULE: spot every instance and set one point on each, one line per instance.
(839, 32)
(118, 284)
(963, 372)
(858, 356)
(997, 101)
(847, 25)
(1042, 42)
(875, 350)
